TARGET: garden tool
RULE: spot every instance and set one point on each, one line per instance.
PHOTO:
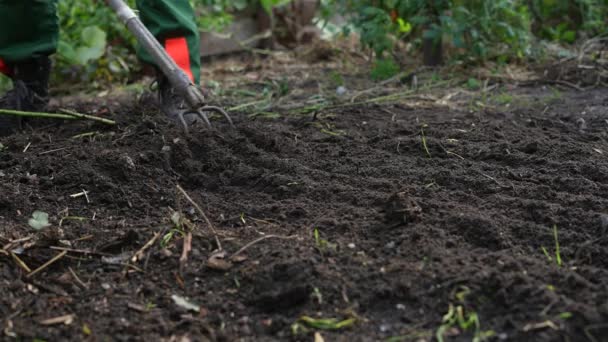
(182, 84)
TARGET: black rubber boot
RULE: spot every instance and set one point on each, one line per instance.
(30, 91)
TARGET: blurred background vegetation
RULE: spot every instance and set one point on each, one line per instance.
(95, 48)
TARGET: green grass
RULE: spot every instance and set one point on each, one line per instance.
(504, 98)
(178, 229)
(384, 69)
(464, 321)
(5, 84)
(557, 256)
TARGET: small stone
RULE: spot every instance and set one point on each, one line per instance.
(401, 208)
(390, 245)
(400, 307)
(245, 330)
(341, 90)
(582, 124)
(166, 149)
(352, 245)
(384, 328)
(165, 253)
(128, 161)
(106, 286)
(531, 148)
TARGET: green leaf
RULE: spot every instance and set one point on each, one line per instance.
(94, 45)
(85, 54)
(267, 5)
(473, 83)
(67, 51)
(568, 36)
(327, 323)
(240, 4)
(39, 220)
(404, 27)
(93, 36)
(384, 69)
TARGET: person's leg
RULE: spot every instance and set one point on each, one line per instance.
(28, 29)
(172, 22)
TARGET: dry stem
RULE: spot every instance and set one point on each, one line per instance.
(202, 213)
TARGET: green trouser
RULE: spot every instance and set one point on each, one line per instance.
(30, 28)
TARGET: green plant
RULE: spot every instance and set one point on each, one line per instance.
(5, 84)
(383, 69)
(557, 252)
(90, 46)
(322, 244)
(217, 15)
(305, 322)
(456, 317)
(473, 83)
(178, 229)
(317, 295)
(39, 220)
(566, 20)
(93, 44)
(471, 30)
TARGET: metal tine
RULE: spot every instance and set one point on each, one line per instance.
(217, 110)
(204, 117)
(182, 120)
(201, 113)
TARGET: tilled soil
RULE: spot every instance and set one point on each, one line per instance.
(370, 226)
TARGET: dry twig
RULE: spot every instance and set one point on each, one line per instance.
(258, 240)
(77, 279)
(20, 262)
(140, 253)
(47, 264)
(202, 213)
(187, 247)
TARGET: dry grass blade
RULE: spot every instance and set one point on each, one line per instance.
(47, 264)
(77, 279)
(65, 319)
(258, 240)
(202, 213)
(20, 262)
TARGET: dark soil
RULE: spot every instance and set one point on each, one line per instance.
(402, 235)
